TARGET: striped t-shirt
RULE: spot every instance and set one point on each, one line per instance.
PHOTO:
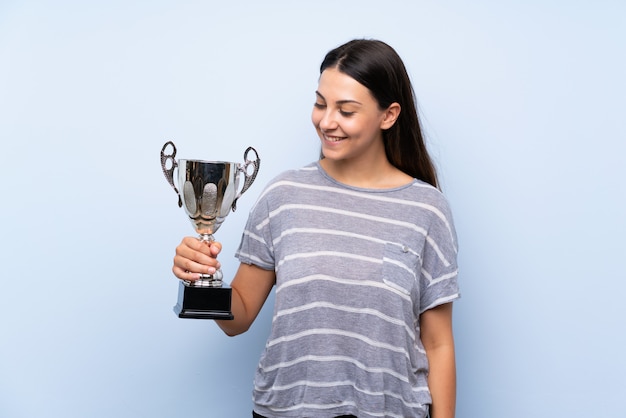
(354, 270)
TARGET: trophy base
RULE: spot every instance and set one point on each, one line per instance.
(204, 302)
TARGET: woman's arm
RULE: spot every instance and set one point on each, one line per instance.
(251, 284)
(437, 338)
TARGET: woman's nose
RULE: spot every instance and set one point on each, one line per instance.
(328, 121)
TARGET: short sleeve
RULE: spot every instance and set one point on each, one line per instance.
(256, 241)
(439, 269)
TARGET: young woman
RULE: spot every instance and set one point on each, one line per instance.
(361, 248)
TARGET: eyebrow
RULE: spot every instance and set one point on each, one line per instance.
(339, 102)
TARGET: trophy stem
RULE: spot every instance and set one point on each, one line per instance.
(208, 280)
(207, 238)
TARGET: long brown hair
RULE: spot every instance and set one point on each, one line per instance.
(378, 67)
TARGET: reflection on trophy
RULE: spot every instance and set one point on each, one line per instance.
(208, 191)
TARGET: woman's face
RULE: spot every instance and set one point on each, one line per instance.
(347, 118)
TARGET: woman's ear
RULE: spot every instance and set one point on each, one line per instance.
(390, 116)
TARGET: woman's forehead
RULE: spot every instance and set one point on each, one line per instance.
(337, 86)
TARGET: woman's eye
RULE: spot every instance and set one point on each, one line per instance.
(346, 113)
(319, 105)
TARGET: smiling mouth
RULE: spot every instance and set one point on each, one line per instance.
(334, 138)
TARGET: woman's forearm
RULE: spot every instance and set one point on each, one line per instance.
(442, 381)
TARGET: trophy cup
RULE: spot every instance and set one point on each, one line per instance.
(208, 191)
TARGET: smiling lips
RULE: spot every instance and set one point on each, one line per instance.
(333, 138)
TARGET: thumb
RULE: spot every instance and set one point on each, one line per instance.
(215, 248)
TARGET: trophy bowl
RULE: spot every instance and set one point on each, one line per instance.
(208, 191)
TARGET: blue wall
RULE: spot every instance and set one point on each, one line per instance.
(523, 104)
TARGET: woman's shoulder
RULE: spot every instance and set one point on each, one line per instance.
(427, 195)
(288, 179)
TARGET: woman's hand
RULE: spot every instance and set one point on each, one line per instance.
(250, 287)
(194, 257)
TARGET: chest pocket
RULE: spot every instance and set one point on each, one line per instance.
(401, 268)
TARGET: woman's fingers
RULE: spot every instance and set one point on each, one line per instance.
(194, 257)
(184, 274)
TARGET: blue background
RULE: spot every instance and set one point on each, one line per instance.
(523, 103)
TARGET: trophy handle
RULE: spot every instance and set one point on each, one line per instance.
(248, 178)
(168, 165)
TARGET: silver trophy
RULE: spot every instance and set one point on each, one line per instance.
(208, 190)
